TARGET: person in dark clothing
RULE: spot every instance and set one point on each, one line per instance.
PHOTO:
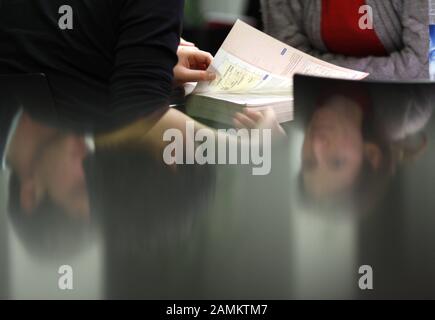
(117, 57)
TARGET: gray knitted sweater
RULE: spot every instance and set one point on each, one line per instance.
(401, 25)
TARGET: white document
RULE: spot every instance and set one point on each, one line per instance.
(250, 61)
(251, 100)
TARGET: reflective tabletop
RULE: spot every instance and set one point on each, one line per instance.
(350, 191)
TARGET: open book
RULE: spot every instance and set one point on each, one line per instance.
(256, 71)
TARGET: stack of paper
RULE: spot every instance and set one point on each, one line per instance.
(256, 71)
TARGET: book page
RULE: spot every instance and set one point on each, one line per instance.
(252, 100)
(251, 61)
(236, 76)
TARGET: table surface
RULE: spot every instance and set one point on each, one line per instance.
(200, 232)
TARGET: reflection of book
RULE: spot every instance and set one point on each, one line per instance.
(256, 71)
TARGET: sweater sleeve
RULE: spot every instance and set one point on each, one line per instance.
(145, 54)
(284, 21)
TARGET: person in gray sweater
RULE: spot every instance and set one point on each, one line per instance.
(396, 47)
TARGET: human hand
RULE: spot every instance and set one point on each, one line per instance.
(192, 65)
(250, 119)
(184, 43)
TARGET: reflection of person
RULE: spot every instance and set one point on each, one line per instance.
(46, 165)
(396, 47)
(334, 150)
(8, 112)
(45, 162)
(358, 136)
(48, 198)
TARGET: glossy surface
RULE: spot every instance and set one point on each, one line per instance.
(352, 185)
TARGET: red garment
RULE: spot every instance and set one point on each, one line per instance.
(341, 32)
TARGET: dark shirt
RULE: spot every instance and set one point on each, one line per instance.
(117, 61)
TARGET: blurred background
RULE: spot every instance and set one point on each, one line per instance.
(208, 22)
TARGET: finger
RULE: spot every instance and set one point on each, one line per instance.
(254, 115)
(237, 124)
(186, 43)
(187, 49)
(188, 75)
(200, 58)
(270, 114)
(245, 121)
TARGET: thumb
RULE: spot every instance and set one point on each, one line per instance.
(270, 114)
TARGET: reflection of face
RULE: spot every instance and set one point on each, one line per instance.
(59, 173)
(333, 150)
